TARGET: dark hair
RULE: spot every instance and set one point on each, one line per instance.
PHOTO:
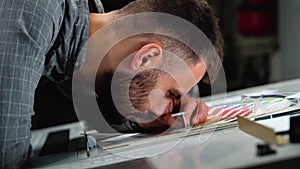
(199, 13)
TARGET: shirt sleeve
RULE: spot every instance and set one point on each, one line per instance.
(27, 30)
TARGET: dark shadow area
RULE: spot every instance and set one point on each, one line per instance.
(137, 163)
(110, 5)
(51, 106)
(290, 163)
(59, 142)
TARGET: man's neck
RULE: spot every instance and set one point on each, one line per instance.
(97, 21)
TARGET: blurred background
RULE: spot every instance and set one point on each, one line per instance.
(262, 45)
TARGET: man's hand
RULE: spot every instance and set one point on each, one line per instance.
(195, 110)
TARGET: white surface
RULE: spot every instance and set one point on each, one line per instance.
(230, 148)
(237, 99)
(278, 124)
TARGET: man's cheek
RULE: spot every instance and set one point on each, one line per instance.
(158, 102)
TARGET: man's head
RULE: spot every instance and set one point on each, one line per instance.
(143, 85)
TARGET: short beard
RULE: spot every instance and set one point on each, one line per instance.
(113, 90)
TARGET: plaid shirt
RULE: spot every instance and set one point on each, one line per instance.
(37, 37)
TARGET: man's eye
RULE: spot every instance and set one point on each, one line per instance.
(173, 94)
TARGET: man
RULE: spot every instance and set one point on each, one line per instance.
(154, 95)
(40, 37)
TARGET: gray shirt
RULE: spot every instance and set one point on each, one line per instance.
(37, 37)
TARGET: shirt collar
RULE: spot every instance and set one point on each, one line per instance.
(96, 6)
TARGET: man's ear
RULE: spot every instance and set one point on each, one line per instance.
(147, 55)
